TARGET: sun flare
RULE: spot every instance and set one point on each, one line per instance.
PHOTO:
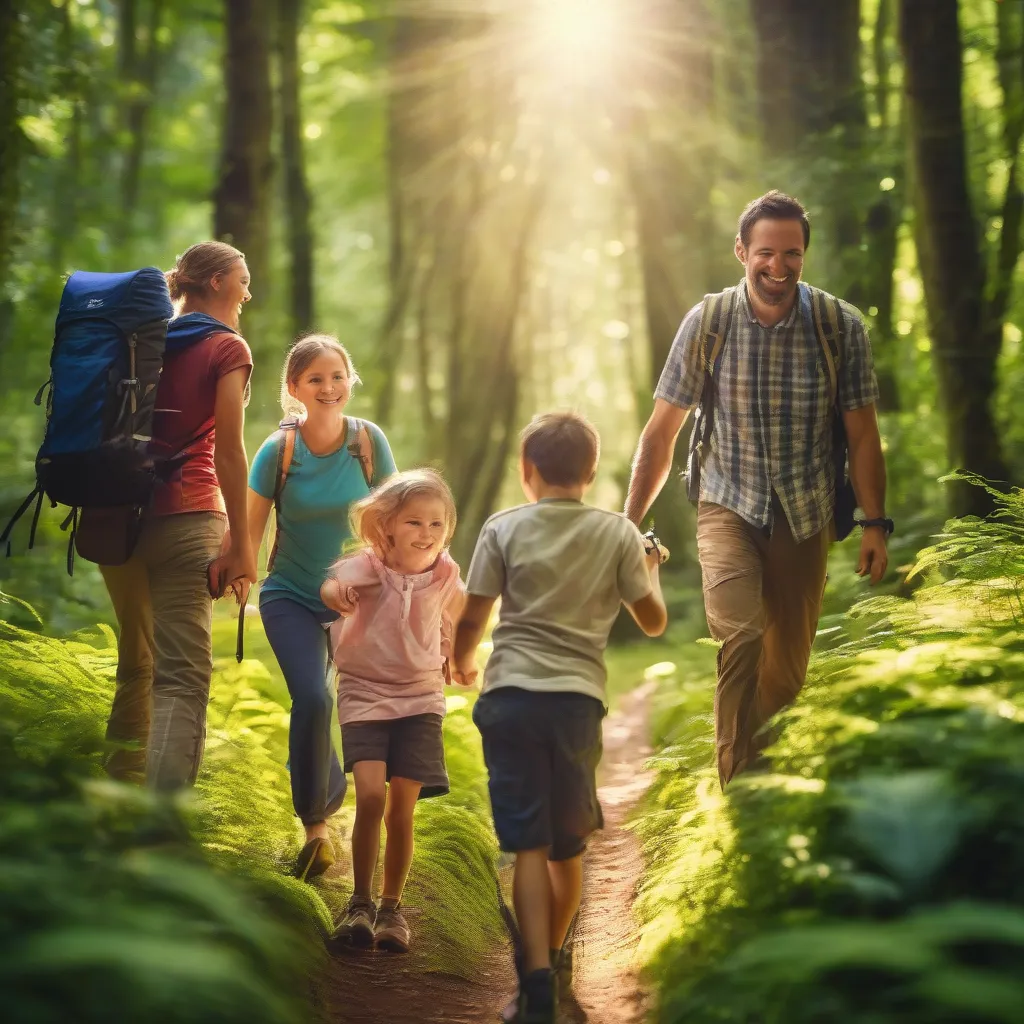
(579, 35)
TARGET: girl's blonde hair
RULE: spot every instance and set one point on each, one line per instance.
(298, 360)
(197, 266)
(373, 517)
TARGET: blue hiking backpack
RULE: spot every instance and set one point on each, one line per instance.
(108, 352)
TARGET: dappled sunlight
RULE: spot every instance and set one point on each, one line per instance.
(455, 702)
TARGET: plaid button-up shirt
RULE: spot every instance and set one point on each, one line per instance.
(772, 428)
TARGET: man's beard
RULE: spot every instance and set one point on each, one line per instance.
(774, 298)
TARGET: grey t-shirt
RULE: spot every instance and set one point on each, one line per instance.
(562, 570)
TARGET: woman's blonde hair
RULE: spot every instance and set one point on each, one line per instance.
(197, 266)
(298, 360)
(373, 517)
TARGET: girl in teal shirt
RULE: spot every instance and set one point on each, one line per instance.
(323, 478)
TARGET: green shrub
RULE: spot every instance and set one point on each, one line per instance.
(108, 909)
(877, 874)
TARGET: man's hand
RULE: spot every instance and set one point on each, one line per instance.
(873, 555)
(234, 569)
(655, 554)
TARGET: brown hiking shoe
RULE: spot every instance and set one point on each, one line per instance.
(392, 930)
(356, 926)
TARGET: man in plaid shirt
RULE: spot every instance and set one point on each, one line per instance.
(767, 485)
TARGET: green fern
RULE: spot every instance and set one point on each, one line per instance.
(835, 887)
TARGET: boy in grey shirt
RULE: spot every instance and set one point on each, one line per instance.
(562, 570)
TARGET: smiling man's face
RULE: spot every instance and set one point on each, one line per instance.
(774, 260)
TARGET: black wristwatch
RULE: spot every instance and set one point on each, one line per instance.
(885, 524)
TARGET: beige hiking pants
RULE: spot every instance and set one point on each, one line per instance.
(762, 597)
(164, 649)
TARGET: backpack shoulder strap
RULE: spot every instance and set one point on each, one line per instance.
(288, 429)
(360, 446)
(827, 316)
(716, 312)
(285, 452)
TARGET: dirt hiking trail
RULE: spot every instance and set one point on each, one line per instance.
(376, 988)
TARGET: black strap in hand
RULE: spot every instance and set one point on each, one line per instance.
(240, 635)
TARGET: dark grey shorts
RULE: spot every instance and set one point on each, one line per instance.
(542, 751)
(412, 748)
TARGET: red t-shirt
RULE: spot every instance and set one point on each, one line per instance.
(185, 400)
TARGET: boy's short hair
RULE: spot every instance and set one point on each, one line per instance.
(564, 446)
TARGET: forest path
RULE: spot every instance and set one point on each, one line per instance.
(379, 988)
(606, 981)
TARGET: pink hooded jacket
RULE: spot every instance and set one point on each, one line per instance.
(390, 653)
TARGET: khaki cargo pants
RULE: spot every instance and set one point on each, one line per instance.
(762, 597)
(164, 650)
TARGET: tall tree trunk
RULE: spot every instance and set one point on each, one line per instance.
(808, 69)
(966, 330)
(67, 201)
(296, 192)
(410, 44)
(670, 181)
(465, 198)
(242, 193)
(139, 61)
(885, 214)
(12, 55)
(813, 109)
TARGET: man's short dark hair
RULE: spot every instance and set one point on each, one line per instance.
(564, 446)
(774, 205)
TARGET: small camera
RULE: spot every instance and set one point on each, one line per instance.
(651, 543)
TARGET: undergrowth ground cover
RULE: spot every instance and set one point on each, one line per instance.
(183, 909)
(875, 873)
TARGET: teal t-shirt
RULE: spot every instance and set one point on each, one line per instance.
(313, 524)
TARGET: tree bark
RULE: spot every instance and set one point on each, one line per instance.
(138, 67)
(808, 70)
(813, 113)
(298, 205)
(966, 331)
(464, 202)
(885, 214)
(670, 182)
(12, 54)
(242, 194)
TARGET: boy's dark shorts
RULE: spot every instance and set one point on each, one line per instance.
(542, 752)
(412, 748)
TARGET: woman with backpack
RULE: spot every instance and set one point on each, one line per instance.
(310, 471)
(163, 594)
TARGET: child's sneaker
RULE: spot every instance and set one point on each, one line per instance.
(391, 931)
(356, 926)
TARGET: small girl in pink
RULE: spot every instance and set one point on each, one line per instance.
(398, 598)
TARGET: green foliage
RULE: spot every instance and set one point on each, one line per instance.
(875, 874)
(105, 900)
